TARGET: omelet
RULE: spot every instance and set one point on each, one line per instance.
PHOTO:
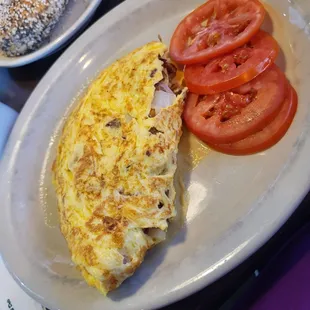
(115, 165)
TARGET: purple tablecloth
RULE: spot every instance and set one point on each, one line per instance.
(291, 292)
(288, 276)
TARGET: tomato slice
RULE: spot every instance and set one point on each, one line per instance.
(234, 69)
(233, 115)
(215, 28)
(270, 135)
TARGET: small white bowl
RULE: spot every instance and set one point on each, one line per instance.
(76, 15)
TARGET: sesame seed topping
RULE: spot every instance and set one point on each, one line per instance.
(25, 24)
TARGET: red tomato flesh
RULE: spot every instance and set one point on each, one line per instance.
(215, 28)
(232, 116)
(270, 135)
(234, 69)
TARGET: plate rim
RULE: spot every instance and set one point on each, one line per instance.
(54, 45)
(269, 227)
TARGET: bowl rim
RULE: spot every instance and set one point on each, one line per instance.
(53, 45)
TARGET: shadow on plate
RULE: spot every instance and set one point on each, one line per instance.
(269, 27)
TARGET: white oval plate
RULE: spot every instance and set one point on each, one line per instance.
(75, 17)
(12, 296)
(235, 203)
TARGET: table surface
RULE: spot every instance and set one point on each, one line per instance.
(16, 86)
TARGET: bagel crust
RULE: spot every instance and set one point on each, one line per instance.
(25, 24)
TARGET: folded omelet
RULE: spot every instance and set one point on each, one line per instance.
(115, 165)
